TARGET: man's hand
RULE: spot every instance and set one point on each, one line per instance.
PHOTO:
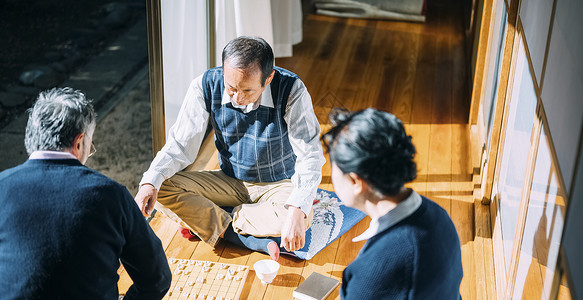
(146, 198)
(293, 233)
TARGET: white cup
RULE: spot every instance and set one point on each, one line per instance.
(266, 270)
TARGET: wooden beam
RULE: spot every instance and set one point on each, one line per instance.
(154, 20)
(479, 78)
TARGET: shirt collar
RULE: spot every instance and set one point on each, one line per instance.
(265, 99)
(46, 154)
(400, 212)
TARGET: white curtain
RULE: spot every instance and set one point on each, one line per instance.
(184, 51)
(184, 48)
(278, 22)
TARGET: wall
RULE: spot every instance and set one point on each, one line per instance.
(562, 85)
(573, 234)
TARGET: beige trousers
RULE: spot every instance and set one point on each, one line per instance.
(192, 199)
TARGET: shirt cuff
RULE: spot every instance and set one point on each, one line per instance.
(154, 178)
(304, 204)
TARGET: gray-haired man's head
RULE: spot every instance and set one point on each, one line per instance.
(247, 52)
(58, 116)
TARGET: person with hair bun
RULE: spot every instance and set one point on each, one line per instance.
(412, 249)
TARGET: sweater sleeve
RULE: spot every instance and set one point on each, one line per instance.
(143, 256)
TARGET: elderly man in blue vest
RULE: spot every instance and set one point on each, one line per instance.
(270, 156)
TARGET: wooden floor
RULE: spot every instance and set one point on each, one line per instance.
(418, 73)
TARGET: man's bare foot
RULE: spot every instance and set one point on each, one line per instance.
(273, 250)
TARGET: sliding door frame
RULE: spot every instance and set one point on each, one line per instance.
(155, 59)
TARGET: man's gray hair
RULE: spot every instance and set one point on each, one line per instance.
(244, 51)
(57, 117)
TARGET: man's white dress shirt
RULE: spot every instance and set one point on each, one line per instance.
(186, 135)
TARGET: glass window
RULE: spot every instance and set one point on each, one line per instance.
(545, 218)
(515, 151)
(495, 63)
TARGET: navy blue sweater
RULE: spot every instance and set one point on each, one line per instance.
(417, 258)
(64, 229)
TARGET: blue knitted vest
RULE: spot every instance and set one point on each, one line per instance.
(252, 146)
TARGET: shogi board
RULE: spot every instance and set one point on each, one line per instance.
(199, 279)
